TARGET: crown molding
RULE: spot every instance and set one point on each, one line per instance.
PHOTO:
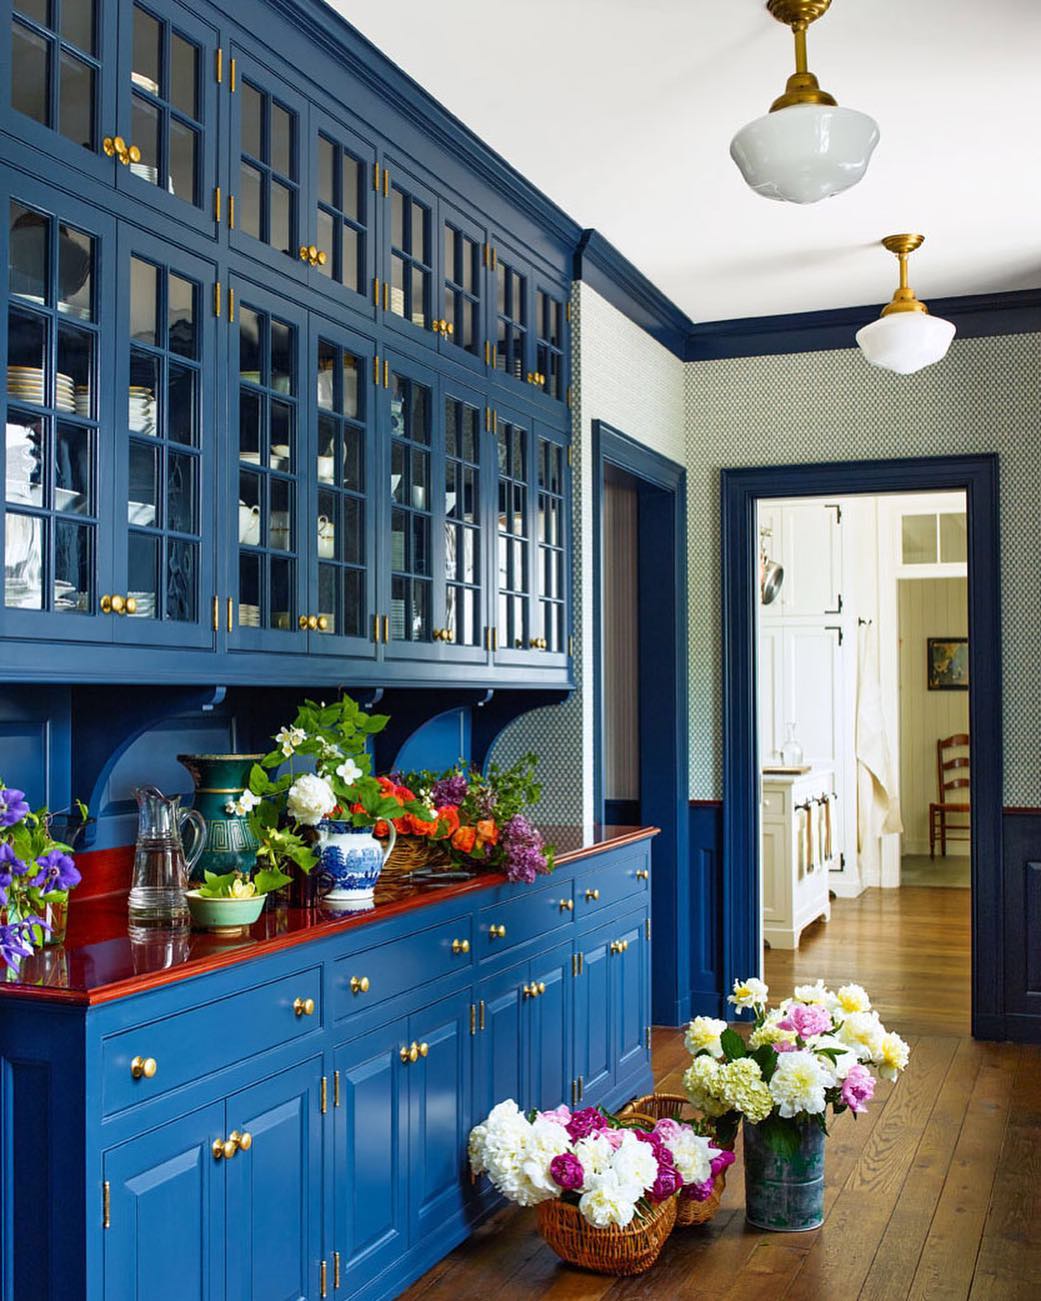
(600, 265)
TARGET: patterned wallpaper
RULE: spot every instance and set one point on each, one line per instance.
(984, 397)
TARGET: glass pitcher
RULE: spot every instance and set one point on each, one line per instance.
(160, 866)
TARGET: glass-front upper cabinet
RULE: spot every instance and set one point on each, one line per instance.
(530, 327)
(59, 419)
(339, 245)
(460, 326)
(550, 336)
(552, 549)
(61, 95)
(268, 168)
(165, 144)
(464, 485)
(164, 554)
(268, 414)
(342, 586)
(409, 255)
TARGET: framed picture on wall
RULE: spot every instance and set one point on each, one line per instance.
(948, 663)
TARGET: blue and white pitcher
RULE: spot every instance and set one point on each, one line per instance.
(352, 859)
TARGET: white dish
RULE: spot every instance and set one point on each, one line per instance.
(326, 468)
(249, 525)
(146, 83)
(140, 512)
(66, 498)
(326, 538)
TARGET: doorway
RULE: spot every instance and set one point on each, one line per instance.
(743, 490)
(640, 737)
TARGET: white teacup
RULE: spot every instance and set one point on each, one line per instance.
(249, 524)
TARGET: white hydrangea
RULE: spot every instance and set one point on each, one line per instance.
(635, 1163)
(310, 799)
(702, 1035)
(690, 1154)
(749, 993)
(798, 1084)
(609, 1201)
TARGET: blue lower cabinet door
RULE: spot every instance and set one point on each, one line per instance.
(164, 1239)
(595, 1015)
(439, 1113)
(551, 1028)
(500, 1042)
(370, 1162)
(633, 998)
(273, 1233)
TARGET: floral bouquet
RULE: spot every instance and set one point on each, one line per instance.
(811, 1052)
(478, 821)
(36, 874)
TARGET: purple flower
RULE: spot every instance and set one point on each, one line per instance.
(13, 807)
(16, 940)
(522, 850)
(806, 1021)
(450, 790)
(668, 1183)
(657, 1143)
(585, 1122)
(858, 1088)
(567, 1170)
(10, 864)
(721, 1160)
(57, 872)
(699, 1192)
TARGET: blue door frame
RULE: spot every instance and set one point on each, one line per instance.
(662, 686)
(741, 490)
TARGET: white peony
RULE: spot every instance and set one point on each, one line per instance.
(749, 993)
(546, 1139)
(348, 771)
(815, 993)
(863, 1031)
(798, 1084)
(703, 1036)
(595, 1153)
(475, 1149)
(310, 799)
(609, 1201)
(505, 1151)
(851, 998)
(635, 1163)
(690, 1154)
(891, 1056)
(837, 1070)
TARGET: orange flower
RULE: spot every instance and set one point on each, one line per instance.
(463, 839)
(448, 818)
(381, 829)
(487, 832)
(421, 828)
(357, 808)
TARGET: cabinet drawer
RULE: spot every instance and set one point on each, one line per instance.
(188, 1045)
(386, 970)
(503, 926)
(774, 803)
(619, 880)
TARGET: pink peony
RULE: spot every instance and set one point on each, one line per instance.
(667, 1128)
(613, 1137)
(806, 1021)
(721, 1160)
(567, 1170)
(699, 1192)
(784, 1045)
(559, 1115)
(668, 1183)
(858, 1088)
(586, 1122)
(656, 1142)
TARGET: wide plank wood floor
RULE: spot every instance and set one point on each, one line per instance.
(935, 1193)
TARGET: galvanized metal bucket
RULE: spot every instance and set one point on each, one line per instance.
(785, 1193)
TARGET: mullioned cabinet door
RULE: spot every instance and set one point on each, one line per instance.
(273, 1232)
(166, 1213)
(370, 1162)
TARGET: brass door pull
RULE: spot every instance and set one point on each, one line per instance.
(541, 987)
(117, 147)
(497, 932)
(424, 1049)
(359, 984)
(567, 905)
(413, 1052)
(642, 874)
(460, 946)
(592, 896)
(303, 1006)
(143, 1068)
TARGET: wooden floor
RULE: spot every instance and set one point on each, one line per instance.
(935, 1193)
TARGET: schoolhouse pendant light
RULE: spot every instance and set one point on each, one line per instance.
(806, 148)
(905, 337)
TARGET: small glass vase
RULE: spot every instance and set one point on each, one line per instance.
(791, 751)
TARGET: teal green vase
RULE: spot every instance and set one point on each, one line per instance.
(220, 778)
(785, 1192)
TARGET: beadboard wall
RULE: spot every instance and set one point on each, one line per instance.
(622, 376)
(808, 407)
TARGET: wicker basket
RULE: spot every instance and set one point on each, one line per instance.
(631, 1250)
(413, 852)
(674, 1106)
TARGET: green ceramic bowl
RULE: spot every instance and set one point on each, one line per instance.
(224, 916)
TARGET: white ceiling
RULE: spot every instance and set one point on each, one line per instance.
(622, 112)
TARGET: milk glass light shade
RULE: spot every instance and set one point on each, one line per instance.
(806, 152)
(906, 341)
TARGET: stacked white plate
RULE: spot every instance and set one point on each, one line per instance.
(146, 171)
(29, 384)
(146, 83)
(140, 512)
(142, 409)
(66, 596)
(145, 605)
(249, 615)
(397, 301)
(82, 399)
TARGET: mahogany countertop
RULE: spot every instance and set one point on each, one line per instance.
(99, 962)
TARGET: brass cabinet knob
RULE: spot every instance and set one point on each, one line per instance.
(403, 1053)
(424, 1049)
(301, 623)
(143, 1068)
(312, 622)
(133, 155)
(436, 326)
(531, 377)
(106, 604)
(312, 253)
(411, 1053)
(642, 874)
(245, 1140)
(592, 896)
(217, 1148)
(130, 605)
(567, 905)
(497, 932)
(449, 328)
(460, 946)
(323, 623)
(323, 257)
(359, 984)
(230, 1147)
(113, 604)
(615, 946)
(529, 991)
(109, 145)
(303, 253)
(303, 1006)
(540, 988)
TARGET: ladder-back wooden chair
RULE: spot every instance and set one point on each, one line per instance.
(952, 779)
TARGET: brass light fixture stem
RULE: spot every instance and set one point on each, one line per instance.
(904, 299)
(802, 87)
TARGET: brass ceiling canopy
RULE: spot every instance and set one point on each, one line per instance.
(802, 87)
(904, 299)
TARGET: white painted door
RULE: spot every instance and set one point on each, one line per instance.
(811, 543)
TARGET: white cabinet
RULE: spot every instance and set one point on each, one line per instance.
(798, 848)
(806, 538)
